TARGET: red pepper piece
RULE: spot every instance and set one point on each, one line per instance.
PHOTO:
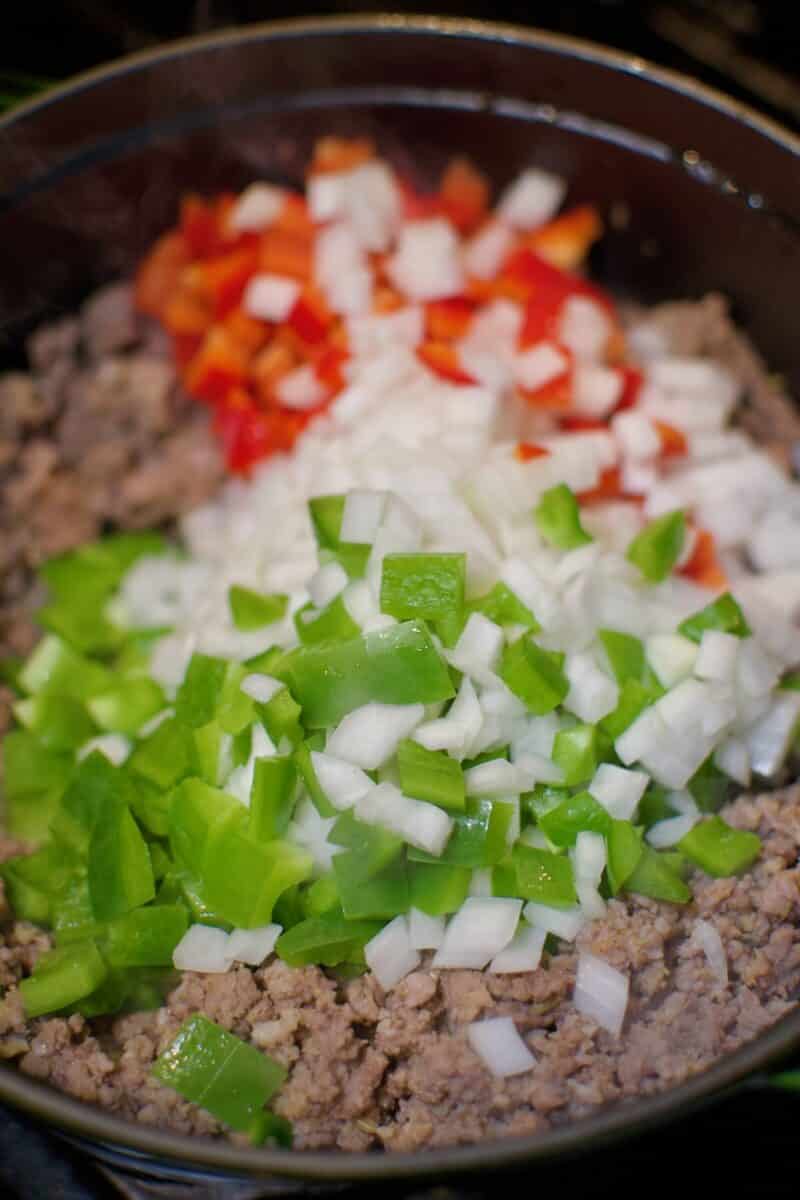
(417, 205)
(673, 441)
(447, 320)
(222, 280)
(340, 154)
(577, 424)
(565, 241)
(294, 218)
(200, 226)
(186, 314)
(158, 276)
(219, 366)
(282, 253)
(443, 360)
(609, 487)
(310, 318)
(704, 567)
(464, 194)
(526, 451)
(329, 368)
(632, 381)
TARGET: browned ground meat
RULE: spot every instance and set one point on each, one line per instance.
(369, 1069)
(98, 432)
(86, 438)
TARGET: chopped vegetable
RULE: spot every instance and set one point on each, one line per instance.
(252, 610)
(720, 850)
(431, 775)
(723, 614)
(558, 519)
(535, 675)
(423, 585)
(658, 547)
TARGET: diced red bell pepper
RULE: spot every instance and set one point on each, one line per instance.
(447, 320)
(187, 314)
(340, 154)
(282, 253)
(294, 218)
(609, 487)
(441, 358)
(184, 347)
(526, 451)
(248, 332)
(464, 194)
(159, 273)
(578, 424)
(386, 300)
(632, 381)
(200, 226)
(271, 364)
(417, 205)
(219, 366)
(222, 280)
(565, 241)
(554, 397)
(310, 317)
(673, 441)
(329, 368)
(704, 567)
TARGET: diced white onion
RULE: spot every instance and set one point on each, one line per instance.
(523, 953)
(368, 736)
(477, 651)
(497, 777)
(601, 992)
(670, 831)
(112, 746)
(539, 365)
(592, 694)
(326, 583)
(716, 658)
(589, 857)
(426, 264)
(533, 198)
(770, 739)
(202, 948)
(252, 946)
(481, 928)
(300, 389)
(707, 937)
(457, 730)
(499, 1047)
(415, 821)
(270, 297)
(259, 205)
(485, 253)
(565, 923)
(342, 782)
(618, 790)
(584, 327)
(596, 389)
(425, 932)
(261, 688)
(671, 656)
(390, 955)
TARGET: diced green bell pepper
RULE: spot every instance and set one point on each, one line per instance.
(96, 789)
(128, 706)
(658, 547)
(210, 691)
(242, 879)
(580, 813)
(62, 977)
(558, 518)
(305, 769)
(431, 775)
(280, 716)
(326, 519)
(229, 1078)
(624, 845)
(430, 586)
(438, 888)
(60, 722)
(479, 838)
(723, 614)
(575, 751)
(718, 849)
(653, 876)
(373, 850)
(145, 937)
(251, 610)
(326, 940)
(634, 698)
(272, 798)
(55, 667)
(534, 675)
(625, 654)
(399, 665)
(320, 896)
(384, 895)
(537, 875)
(166, 755)
(710, 787)
(504, 607)
(120, 870)
(197, 814)
(330, 624)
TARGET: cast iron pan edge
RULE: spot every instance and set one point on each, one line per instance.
(94, 1125)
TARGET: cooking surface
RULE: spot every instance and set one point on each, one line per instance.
(748, 50)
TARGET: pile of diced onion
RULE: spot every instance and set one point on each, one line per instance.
(435, 465)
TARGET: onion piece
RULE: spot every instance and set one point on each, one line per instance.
(481, 928)
(670, 831)
(425, 932)
(618, 790)
(113, 746)
(497, 777)
(707, 937)
(361, 515)
(390, 955)
(499, 1046)
(420, 824)
(601, 992)
(204, 949)
(270, 297)
(259, 205)
(477, 651)
(523, 953)
(457, 730)
(252, 946)
(342, 782)
(565, 923)
(261, 688)
(326, 583)
(533, 198)
(368, 736)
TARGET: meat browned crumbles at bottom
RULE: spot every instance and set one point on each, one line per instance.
(369, 1069)
(98, 434)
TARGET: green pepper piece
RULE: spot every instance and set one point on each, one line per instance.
(653, 876)
(330, 624)
(120, 870)
(723, 614)
(83, 625)
(320, 896)
(634, 698)
(538, 875)
(56, 667)
(326, 519)
(145, 937)
(479, 838)
(280, 716)
(575, 751)
(242, 879)
(718, 849)
(128, 706)
(710, 787)
(211, 1067)
(658, 547)
(431, 775)
(166, 755)
(62, 977)
(261, 664)
(542, 799)
(71, 913)
(272, 798)
(373, 849)
(558, 518)
(60, 722)
(251, 610)
(327, 940)
(423, 585)
(504, 607)
(269, 1127)
(305, 768)
(577, 814)
(438, 888)
(191, 894)
(400, 665)
(625, 653)
(197, 814)
(27, 902)
(624, 844)
(654, 806)
(384, 895)
(96, 788)
(534, 675)
(210, 691)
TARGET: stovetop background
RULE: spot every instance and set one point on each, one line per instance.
(747, 1144)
